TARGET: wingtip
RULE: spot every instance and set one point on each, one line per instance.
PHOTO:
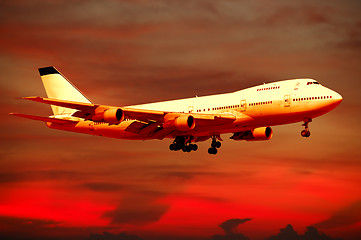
(15, 114)
(48, 70)
(30, 98)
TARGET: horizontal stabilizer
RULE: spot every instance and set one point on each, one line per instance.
(44, 119)
(85, 107)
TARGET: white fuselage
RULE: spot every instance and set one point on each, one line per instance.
(269, 104)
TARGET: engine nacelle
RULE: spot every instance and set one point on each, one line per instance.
(109, 115)
(257, 134)
(180, 123)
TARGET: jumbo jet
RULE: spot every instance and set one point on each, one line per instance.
(248, 113)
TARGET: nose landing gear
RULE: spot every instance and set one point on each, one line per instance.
(306, 132)
(214, 145)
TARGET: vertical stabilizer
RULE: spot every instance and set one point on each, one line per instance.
(58, 87)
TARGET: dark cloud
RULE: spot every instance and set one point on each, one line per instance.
(288, 233)
(231, 225)
(344, 217)
(313, 234)
(27, 223)
(30, 229)
(14, 228)
(110, 236)
(230, 230)
(17, 228)
(236, 236)
(137, 209)
(297, 15)
(103, 186)
(38, 175)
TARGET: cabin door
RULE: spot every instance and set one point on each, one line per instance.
(287, 100)
(191, 109)
(243, 105)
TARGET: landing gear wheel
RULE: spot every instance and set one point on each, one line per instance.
(305, 133)
(194, 147)
(212, 150)
(189, 147)
(216, 144)
(186, 148)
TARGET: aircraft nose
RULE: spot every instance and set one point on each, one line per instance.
(337, 97)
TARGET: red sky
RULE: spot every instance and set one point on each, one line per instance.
(58, 185)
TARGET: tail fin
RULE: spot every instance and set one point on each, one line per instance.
(58, 87)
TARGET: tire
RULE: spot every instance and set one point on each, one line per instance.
(303, 133)
(212, 150)
(194, 147)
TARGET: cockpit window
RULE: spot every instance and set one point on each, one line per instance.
(309, 83)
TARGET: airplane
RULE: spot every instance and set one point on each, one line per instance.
(248, 113)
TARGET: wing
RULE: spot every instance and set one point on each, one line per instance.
(87, 110)
(83, 107)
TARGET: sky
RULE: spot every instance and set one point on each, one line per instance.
(62, 185)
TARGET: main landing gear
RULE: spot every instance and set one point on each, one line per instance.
(214, 145)
(184, 144)
(306, 132)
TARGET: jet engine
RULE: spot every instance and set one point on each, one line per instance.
(109, 115)
(181, 123)
(257, 134)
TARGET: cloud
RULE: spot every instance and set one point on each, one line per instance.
(26, 228)
(308, 15)
(137, 209)
(344, 217)
(230, 230)
(20, 228)
(237, 236)
(313, 234)
(230, 225)
(110, 236)
(27, 222)
(38, 175)
(288, 233)
(103, 186)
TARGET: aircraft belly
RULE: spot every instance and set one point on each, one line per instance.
(291, 115)
(99, 129)
(115, 130)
